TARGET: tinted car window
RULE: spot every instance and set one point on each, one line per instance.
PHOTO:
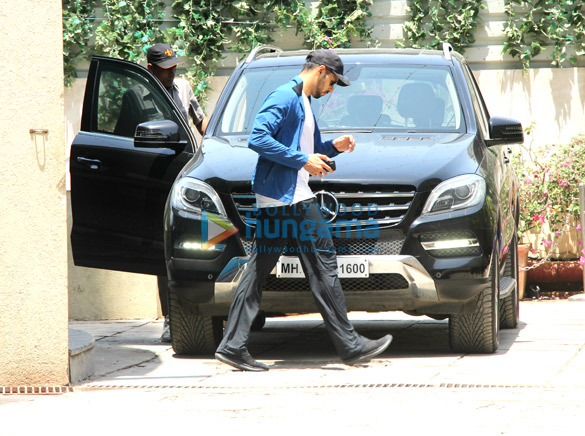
(380, 97)
(248, 95)
(126, 99)
(482, 115)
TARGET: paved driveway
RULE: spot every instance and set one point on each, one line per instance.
(535, 384)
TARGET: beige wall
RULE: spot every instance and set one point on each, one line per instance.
(33, 250)
(553, 98)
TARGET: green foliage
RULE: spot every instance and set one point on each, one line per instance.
(129, 28)
(334, 24)
(548, 181)
(534, 24)
(436, 21)
(77, 29)
(203, 30)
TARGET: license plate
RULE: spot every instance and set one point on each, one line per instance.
(347, 267)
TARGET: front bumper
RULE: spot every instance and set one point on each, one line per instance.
(396, 282)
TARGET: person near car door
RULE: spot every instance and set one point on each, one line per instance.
(139, 105)
(162, 63)
(288, 141)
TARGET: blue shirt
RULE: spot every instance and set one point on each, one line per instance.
(276, 136)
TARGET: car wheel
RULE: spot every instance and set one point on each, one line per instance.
(510, 306)
(478, 331)
(192, 334)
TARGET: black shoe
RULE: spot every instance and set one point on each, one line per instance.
(370, 350)
(245, 362)
(166, 333)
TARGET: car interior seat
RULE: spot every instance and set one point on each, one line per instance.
(365, 111)
(419, 106)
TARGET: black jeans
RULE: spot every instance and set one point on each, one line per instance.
(301, 228)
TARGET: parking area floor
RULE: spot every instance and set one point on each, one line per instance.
(534, 384)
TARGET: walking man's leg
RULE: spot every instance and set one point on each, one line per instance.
(247, 298)
(319, 261)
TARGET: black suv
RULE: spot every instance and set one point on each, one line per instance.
(423, 214)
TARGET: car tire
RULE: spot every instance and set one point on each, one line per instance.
(478, 331)
(192, 334)
(510, 305)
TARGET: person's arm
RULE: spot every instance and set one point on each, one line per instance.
(200, 120)
(202, 125)
(268, 122)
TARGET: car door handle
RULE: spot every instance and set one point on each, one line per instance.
(92, 164)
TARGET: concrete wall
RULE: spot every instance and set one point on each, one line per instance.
(33, 247)
(553, 98)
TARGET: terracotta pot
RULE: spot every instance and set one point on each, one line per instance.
(523, 250)
(567, 271)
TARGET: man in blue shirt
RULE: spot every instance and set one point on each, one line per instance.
(290, 149)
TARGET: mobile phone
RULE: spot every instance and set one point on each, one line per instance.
(331, 163)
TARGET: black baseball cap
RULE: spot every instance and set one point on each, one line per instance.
(162, 55)
(329, 59)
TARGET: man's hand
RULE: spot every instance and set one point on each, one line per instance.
(344, 143)
(317, 166)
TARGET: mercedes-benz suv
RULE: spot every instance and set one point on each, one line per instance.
(423, 213)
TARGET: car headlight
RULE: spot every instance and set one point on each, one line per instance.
(193, 195)
(457, 193)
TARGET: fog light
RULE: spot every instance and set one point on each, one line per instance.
(199, 246)
(450, 244)
(191, 245)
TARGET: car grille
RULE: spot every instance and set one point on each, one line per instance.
(360, 207)
(376, 282)
(373, 247)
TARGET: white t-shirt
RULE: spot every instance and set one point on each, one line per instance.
(302, 190)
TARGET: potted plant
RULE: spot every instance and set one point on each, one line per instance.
(548, 191)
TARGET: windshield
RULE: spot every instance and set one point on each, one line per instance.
(414, 98)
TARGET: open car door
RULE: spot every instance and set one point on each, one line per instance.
(132, 145)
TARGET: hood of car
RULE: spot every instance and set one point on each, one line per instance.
(420, 160)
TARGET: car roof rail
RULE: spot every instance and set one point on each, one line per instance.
(257, 50)
(447, 49)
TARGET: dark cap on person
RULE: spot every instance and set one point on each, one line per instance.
(162, 55)
(329, 59)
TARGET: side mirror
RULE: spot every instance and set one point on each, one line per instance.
(158, 134)
(505, 131)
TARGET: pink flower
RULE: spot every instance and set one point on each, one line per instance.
(539, 218)
(547, 244)
(578, 227)
(582, 260)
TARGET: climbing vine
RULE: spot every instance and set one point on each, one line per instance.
(334, 25)
(433, 22)
(129, 27)
(77, 30)
(533, 25)
(202, 33)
